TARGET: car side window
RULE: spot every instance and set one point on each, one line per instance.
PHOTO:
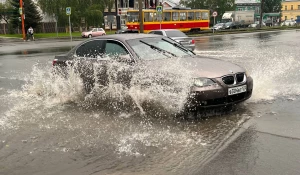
(158, 32)
(91, 49)
(115, 48)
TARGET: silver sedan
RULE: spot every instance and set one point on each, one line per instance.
(178, 36)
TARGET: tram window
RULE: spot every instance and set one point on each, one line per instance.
(132, 16)
(182, 16)
(205, 15)
(155, 17)
(167, 16)
(190, 16)
(175, 16)
(198, 15)
(148, 17)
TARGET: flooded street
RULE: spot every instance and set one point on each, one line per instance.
(48, 126)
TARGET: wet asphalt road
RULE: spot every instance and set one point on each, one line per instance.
(42, 133)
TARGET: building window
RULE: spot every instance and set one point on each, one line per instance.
(298, 7)
(240, 9)
(285, 7)
(292, 7)
(285, 18)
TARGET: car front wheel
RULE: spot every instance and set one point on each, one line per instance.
(90, 36)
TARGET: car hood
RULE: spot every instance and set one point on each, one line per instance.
(200, 66)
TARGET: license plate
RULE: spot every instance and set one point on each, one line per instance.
(237, 90)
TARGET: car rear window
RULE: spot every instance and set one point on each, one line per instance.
(174, 33)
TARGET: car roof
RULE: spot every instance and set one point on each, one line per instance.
(128, 36)
(166, 30)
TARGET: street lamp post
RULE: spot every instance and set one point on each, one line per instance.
(22, 18)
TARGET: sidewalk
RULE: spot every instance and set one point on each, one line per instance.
(14, 40)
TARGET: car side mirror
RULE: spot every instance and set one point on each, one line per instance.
(124, 58)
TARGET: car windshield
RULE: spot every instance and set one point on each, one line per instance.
(228, 23)
(157, 48)
(175, 33)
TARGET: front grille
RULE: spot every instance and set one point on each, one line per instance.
(228, 80)
(237, 78)
(240, 77)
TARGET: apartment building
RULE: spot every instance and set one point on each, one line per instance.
(290, 9)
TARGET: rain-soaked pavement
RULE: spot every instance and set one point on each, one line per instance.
(49, 127)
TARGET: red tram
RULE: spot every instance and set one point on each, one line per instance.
(182, 19)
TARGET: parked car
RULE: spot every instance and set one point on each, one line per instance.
(178, 36)
(126, 30)
(93, 32)
(288, 23)
(215, 83)
(218, 26)
(231, 25)
(256, 25)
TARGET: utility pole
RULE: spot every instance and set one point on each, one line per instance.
(261, 13)
(21, 11)
(141, 16)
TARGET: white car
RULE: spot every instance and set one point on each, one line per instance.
(93, 32)
(178, 36)
(218, 26)
(256, 25)
(288, 23)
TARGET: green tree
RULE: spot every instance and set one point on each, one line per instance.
(32, 15)
(57, 8)
(272, 6)
(5, 11)
(15, 15)
(91, 10)
(94, 17)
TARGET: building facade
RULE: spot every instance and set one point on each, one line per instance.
(245, 5)
(290, 9)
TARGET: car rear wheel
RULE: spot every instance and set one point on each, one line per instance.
(90, 36)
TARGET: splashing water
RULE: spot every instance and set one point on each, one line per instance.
(275, 71)
(111, 85)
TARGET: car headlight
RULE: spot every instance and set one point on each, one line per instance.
(202, 82)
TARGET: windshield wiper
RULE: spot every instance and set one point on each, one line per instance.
(157, 48)
(178, 45)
